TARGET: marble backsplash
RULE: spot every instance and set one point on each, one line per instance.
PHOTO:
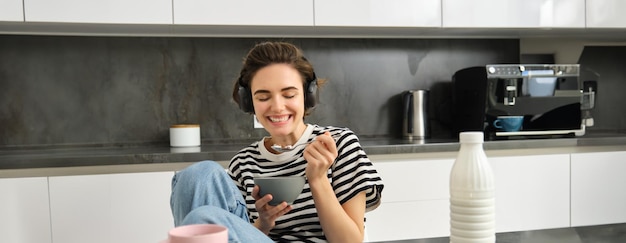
(63, 90)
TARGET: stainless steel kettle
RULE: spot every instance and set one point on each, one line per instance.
(415, 121)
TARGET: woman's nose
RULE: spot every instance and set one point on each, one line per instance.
(278, 104)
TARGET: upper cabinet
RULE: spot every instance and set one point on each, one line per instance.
(99, 11)
(606, 14)
(514, 13)
(378, 13)
(317, 18)
(244, 12)
(11, 10)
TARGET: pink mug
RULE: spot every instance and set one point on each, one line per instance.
(198, 233)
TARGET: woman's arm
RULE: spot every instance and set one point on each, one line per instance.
(341, 223)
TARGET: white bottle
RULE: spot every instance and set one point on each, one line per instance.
(472, 204)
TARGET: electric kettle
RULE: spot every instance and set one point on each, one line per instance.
(415, 114)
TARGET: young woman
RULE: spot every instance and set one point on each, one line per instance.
(279, 86)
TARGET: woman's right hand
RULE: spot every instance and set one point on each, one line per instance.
(267, 213)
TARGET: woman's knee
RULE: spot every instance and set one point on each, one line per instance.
(202, 169)
(198, 173)
(205, 166)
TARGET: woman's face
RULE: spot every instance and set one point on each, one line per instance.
(278, 100)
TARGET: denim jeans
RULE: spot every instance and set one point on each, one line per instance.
(204, 193)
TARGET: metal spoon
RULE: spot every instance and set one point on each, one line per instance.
(288, 148)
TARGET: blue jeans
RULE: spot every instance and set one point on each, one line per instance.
(204, 193)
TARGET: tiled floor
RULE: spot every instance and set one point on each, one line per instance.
(615, 233)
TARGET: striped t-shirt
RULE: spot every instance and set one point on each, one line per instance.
(351, 173)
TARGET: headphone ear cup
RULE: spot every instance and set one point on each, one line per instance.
(310, 99)
(245, 100)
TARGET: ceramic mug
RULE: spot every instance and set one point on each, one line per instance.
(509, 123)
(198, 233)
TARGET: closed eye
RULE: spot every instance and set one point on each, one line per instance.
(264, 95)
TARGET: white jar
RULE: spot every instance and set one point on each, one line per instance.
(185, 135)
(472, 193)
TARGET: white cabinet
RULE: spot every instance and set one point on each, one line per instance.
(24, 210)
(598, 196)
(99, 11)
(408, 220)
(513, 13)
(11, 10)
(606, 14)
(415, 201)
(244, 12)
(120, 208)
(532, 192)
(378, 13)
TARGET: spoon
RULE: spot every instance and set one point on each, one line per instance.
(287, 148)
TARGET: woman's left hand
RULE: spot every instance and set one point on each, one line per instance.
(320, 155)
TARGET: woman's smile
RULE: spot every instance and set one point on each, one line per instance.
(279, 119)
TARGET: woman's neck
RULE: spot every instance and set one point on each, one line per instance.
(289, 139)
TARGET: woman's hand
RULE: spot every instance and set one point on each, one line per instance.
(320, 155)
(267, 213)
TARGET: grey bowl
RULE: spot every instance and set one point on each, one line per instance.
(282, 188)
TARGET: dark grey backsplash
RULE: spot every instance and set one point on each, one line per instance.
(59, 90)
(606, 64)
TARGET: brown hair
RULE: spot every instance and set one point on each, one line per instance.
(267, 53)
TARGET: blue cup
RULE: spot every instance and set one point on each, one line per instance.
(509, 123)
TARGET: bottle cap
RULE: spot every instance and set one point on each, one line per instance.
(471, 137)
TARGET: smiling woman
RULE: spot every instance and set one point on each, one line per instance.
(279, 86)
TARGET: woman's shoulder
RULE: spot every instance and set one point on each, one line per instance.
(339, 133)
(247, 153)
(254, 146)
(334, 130)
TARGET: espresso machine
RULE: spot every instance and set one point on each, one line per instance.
(548, 96)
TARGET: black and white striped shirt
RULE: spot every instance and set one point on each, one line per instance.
(351, 173)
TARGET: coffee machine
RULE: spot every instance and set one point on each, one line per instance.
(548, 96)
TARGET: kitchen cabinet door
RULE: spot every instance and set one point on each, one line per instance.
(11, 10)
(598, 194)
(408, 220)
(131, 207)
(532, 192)
(24, 210)
(99, 11)
(606, 14)
(415, 202)
(378, 13)
(415, 180)
(244, 12)
(513, 13)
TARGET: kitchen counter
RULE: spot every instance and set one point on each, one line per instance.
(162, 157)
(588, 234)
